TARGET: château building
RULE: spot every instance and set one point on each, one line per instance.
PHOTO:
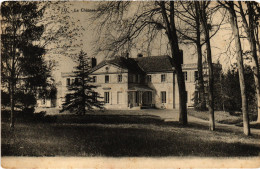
(134, 83)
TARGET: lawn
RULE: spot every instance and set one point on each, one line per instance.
(109, 135)
(223, 117)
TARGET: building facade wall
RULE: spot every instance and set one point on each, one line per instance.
(189, 71)
(166, 86)
(119, 90)
(118, 97)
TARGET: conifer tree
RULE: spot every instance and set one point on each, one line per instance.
(81, 95)
(22, 61)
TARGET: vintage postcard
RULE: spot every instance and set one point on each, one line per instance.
(130, 84)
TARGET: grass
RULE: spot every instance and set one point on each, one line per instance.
(121, 136)
(220, 116)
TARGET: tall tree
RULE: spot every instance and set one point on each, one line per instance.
(22, 60)
(203, 17)
(250, 19)
(234, 26)
(190, 31)
(149, 17)
(81, 96)
(176, 55)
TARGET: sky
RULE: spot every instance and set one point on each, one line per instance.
(79, 14)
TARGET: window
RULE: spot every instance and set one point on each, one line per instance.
(149, 78)
(106, 79)
(94, 95)
(68, 81)
(106, 97)
(94, 79)
(185, 76)
(196, 75)
(163, 97)
(72, 81)
(119, 78)
(163, 78)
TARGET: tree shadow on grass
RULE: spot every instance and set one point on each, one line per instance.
(109, 119)
(122, 136)
(133, 142)
(135, 119)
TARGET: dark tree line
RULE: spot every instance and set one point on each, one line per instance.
(227, 91)
(23, 68)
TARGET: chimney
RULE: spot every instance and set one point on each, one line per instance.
(140, 55)
(93, 62)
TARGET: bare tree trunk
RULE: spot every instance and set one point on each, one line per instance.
(249, 27)
(257, 86)
(256, 75)
(258, 94)
(12, 87)
(182, 96)
(233, 22)
(252, 41)
(12, 106)
(199, 64)
(210, 65)
(200, 79)
(180, 78)
(176, 56)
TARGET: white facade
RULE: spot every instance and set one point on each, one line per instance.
(122, 88)
(117, 99)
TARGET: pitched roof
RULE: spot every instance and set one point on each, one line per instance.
(141, 64)
(155, 63)
(125, 63)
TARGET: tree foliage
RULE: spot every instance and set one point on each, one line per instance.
(81, 95)
(22, 63)
(227, 91)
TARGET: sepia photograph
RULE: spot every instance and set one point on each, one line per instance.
(130, 84)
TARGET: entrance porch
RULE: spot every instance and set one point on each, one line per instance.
(140, 97)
